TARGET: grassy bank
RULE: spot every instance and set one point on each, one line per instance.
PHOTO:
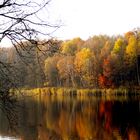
(79, 92)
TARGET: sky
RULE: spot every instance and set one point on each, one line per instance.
(85, 18)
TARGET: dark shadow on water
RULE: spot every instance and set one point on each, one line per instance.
(8, 116)
(126, 116)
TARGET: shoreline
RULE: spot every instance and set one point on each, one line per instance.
(80, 91)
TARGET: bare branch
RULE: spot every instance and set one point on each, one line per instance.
(22, 20)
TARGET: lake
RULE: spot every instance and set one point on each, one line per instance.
(71, 118)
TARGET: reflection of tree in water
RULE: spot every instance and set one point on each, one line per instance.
(74, 119)
(126, 116)
(121, 118)
(8, 101)
(8, 110)
(91, 120)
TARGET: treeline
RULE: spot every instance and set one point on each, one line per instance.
(23, 64)
(99, 62)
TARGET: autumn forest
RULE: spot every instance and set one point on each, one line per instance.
(99, 62)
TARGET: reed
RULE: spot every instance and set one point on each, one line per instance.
(77, 92)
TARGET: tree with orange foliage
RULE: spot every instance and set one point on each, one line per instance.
(108, 72)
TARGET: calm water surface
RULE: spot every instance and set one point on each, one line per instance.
(72, 118)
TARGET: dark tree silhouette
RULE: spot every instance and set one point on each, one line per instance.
(20, 22)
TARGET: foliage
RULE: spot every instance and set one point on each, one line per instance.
(70, 47)
(22, 25)
(99, 62)
(83, 65)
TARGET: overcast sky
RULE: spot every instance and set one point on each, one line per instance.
(85, 18)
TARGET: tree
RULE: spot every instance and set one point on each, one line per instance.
(66, 70)
(84, 66)
(119, 46)
(131, 50)
(22, 21)
(105, 51)
(131, 55)
(71, 46)
(118, 55)
(51, 71)
(96, 44)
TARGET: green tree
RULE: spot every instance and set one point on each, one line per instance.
(71, 46)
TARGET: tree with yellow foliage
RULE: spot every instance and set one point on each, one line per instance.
(132, 50)
(84, 66)
(71, 46)
(66, 70)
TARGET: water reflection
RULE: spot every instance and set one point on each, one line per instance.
(8, 117)
(8, 138)
(74, 118)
